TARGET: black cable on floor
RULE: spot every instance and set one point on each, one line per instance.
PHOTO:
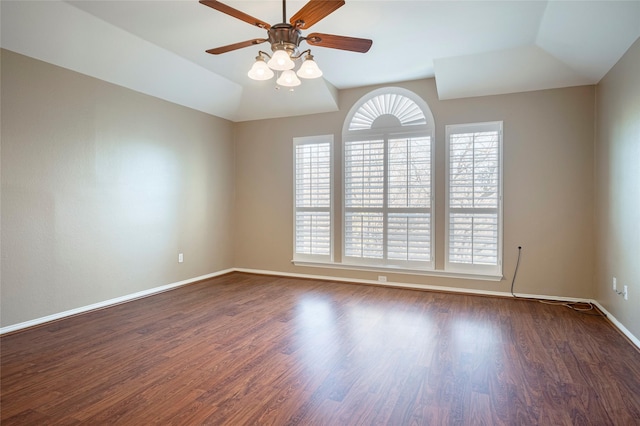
(582, 307)
(515, 272)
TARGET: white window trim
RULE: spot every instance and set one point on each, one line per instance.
(458, 268)
(302, 257)
(400, 270)
(352, 264)
(385, 134)
(389, 263)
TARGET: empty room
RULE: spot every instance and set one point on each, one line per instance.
(320, 212)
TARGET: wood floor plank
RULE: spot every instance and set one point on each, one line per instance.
(250, 349)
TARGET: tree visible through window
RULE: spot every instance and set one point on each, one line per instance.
(387, 191)
(474, 197)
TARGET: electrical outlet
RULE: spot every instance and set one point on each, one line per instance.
(382, 278)
(180, 258)
(615, 286)
(625, 292)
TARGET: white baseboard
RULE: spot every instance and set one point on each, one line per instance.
(618, 324)
(155, 290)
(613, 319)
(107, 303)
(410, 286)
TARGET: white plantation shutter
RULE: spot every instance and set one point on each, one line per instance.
(387, 201)
(364, 234)
(409, 200)
(387, 191)
(364, 199)
(364, 174)
(474, 198)
(312, 191)
(410, 172)
(409, 237)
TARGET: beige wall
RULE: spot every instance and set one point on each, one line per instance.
(101, 188)
(548, 190)
(617, 181)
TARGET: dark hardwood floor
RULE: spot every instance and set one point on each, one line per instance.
(248, 349)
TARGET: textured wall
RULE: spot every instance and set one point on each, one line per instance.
(101, 188)
(548, 187)
(617, 182)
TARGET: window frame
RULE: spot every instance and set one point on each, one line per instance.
(386, 134)
(304, 257)
(473, 268)
(362, 116)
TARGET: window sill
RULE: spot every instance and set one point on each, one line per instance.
(398, 270)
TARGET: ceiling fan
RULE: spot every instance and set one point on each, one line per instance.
(285, 39)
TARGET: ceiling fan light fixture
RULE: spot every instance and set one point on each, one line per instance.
(280, 61)
(260, 70)
(288, 79)
(309, 68)
(285, 39)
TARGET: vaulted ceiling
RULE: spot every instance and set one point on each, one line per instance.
(472, 48)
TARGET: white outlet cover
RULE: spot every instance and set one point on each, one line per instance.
(626, 293)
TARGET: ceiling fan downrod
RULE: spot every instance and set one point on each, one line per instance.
(284, 10)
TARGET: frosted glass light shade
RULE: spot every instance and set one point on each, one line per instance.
(309, 69)
(288, 79)
(260, 70)
(280, 61)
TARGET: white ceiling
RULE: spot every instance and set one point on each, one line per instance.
(472, 48)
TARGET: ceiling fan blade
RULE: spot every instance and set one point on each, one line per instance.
(313, 12)
(235, 46)
(353, 44)
(220, 7)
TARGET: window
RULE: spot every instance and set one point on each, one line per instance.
(387, 193)
(474, 198)
(385, 178)
(313, 195)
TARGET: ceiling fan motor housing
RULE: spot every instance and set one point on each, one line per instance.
(285, 37)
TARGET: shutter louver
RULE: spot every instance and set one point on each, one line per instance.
(410, 172)
(364, 174)
(313, 199)
(388, 201)
(364, 190)
(474, 197)
(409, 237)
(364, 235)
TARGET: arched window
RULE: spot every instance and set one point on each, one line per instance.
(387, 172)
(387, 192)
